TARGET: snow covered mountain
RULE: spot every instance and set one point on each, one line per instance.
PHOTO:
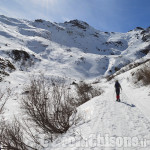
(75, 50)
(72, 49)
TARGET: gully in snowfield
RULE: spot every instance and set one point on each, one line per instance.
(117, 87)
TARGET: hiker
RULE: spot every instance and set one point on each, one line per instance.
(117, 87)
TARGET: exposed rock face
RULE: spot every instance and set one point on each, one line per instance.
(79, 24)
(6, 67)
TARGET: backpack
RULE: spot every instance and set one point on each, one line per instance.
(117, 85)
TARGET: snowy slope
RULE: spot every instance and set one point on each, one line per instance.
(110, 125)
(73, 49)
(106, 118)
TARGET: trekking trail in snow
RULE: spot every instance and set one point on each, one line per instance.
(108, 125)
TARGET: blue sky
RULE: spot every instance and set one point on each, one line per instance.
(105, 15)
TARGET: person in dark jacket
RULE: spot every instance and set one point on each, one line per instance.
(117, 87)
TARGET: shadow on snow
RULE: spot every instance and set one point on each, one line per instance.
(131, 105)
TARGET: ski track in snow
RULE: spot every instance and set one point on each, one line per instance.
(115, 119)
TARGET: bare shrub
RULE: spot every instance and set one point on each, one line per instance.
(85, 92)
(95, 92)
(46, 104)
(143, 75)
(110, 77)
(12, 136)
(4, 96)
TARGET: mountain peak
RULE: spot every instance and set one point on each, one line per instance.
(139, 28)
(78, 23)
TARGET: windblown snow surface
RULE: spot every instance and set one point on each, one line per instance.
(76, 51)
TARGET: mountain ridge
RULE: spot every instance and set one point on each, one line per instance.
(73, 49)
